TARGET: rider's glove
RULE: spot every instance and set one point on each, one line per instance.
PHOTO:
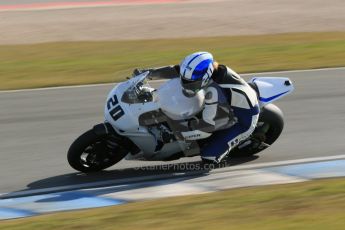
(136, 72)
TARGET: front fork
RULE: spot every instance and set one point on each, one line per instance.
(113, 139)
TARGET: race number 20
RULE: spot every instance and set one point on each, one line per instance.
(115, 110)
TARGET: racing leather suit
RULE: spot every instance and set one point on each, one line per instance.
(231, 113)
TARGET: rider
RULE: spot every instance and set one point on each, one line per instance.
(231, 109)
(231, 106)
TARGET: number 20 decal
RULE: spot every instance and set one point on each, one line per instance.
(115, 110)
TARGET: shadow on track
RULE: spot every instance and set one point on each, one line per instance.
(172, 171)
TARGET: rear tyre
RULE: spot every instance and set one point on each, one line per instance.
(269, 128)
(92, 153)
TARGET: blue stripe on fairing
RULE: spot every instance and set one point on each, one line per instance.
(271, 98)
(313, 170)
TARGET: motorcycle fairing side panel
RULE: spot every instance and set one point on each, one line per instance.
(272, 88)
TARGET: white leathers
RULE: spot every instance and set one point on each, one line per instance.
(238, 99)
(210, 109)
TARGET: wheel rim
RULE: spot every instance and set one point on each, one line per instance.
(95, 155)
(258, 137)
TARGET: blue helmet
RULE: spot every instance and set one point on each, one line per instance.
(196, 71)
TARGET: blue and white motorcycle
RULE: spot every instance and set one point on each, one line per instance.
(143, 123)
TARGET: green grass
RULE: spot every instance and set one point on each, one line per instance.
(71, 63)
(309, 206)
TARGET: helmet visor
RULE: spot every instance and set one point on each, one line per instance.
(190, 87)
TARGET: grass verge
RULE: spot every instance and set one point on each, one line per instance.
(71, 63)
(311, 205)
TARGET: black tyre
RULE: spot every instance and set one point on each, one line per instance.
(269, 128)
(92, 153)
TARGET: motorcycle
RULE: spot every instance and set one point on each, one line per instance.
(144, 123)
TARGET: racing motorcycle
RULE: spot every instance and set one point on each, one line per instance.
(144, 123)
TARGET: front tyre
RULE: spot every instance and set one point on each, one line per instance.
(92, 153)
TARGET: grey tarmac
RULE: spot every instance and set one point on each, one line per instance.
(38, 126)
(173, 20)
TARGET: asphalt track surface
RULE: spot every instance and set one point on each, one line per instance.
(38, 126)
(13, 2)
(173, 20)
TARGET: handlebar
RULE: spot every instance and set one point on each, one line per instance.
(138, 92)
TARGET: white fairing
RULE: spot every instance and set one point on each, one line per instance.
(195, 135)
(175, 104)
(128, 123)
(124, 114)
(272, 88)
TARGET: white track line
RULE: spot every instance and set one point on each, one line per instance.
(126, 181)
(108, 84)
(281, 163)
(299, 71)
(81, 5)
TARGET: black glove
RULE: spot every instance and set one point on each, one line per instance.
(136, 72)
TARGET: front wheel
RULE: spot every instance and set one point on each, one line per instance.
(91, 152)
(269, 128)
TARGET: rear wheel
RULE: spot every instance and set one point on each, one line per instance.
(92, 153)
(269, 128)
